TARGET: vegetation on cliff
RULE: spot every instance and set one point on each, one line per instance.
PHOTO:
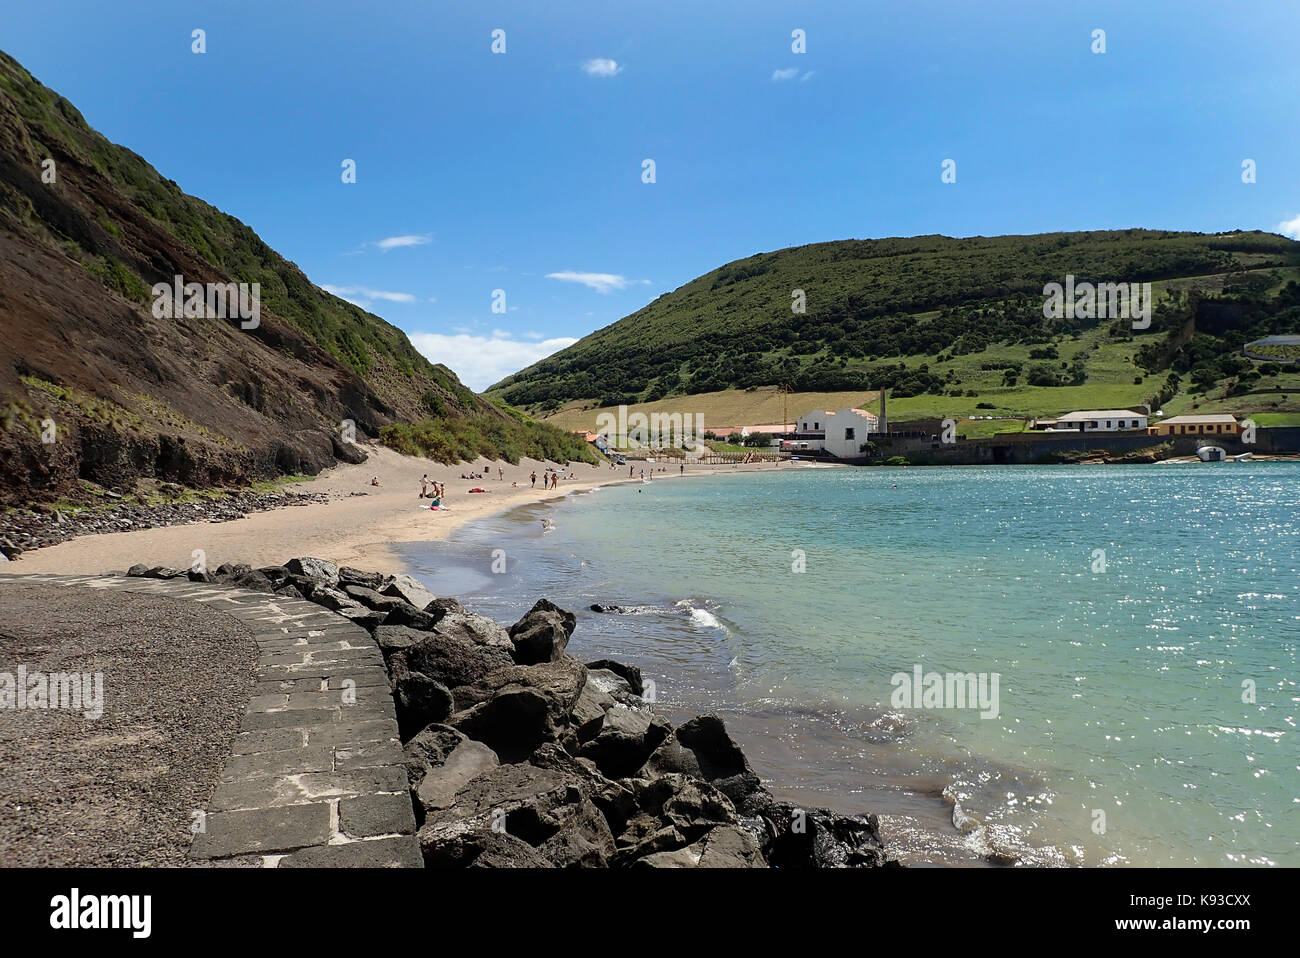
(94, 386)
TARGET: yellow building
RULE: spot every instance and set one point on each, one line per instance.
(1215, 425)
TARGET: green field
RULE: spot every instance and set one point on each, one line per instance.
(1111, 384)
(730, 407)
(923, 316)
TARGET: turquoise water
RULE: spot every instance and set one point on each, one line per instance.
(1121, 736)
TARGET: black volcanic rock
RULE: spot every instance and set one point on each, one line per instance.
(540, 636)
(349, 576)
(472, 628)
(625, 739)
(630, 673)
(702, 749)
(569, 620)
(441, 607)
(419, 700)
(396, 638)
(460, 665)
(316, 569)
(518, 755)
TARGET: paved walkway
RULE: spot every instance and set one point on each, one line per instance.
(316, 775)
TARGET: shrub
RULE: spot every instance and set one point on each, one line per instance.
(476, 437)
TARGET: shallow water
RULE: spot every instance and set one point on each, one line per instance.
(1121, 734)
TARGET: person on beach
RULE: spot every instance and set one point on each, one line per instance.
(424, 486)
(374, 480)
(501, 474)
(533, 479)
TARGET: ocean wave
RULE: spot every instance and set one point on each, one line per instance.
(701, 616)
(999, 843)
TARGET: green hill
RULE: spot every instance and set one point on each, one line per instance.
(950, 326)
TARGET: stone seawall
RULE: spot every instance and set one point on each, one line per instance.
(1034, 448)
(391, 727)
(316, 774)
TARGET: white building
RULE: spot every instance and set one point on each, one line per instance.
(1100, 420)
(847, 430)
(813, 422)
(841, 433)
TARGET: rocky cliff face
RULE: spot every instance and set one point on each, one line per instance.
(95, 386)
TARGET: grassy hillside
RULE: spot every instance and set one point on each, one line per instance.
(951, 326)
(731, 407)
(86, 228)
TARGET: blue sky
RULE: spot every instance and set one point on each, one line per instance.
(522, 171)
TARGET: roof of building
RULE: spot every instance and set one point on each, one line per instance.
(1101, 414)
(1199, 420)
(863, 412)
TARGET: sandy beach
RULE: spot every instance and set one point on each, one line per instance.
(350, 529)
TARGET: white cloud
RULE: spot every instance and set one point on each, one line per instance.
(363, 296)
(1290, 228)
(480, 361)
(779, 76)
(600, 282)
(397, 242)
(601, 67)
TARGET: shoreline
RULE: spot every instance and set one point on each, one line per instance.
(930, 823)
(357, 525)
(352, 522)
(904, 827)
(916, 812)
